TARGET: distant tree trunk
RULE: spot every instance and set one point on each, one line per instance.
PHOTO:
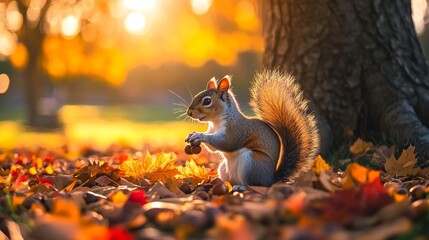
(36, 83)
(358, 61)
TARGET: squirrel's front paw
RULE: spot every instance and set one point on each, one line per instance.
(195, 138)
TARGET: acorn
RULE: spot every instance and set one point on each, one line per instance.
(215, 181)
(186, 188)
(420, 207)
(188, 149)
(417, 192)
(196, 149)
(220, 189)
(202, 194)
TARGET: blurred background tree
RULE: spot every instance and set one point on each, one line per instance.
(137, 48)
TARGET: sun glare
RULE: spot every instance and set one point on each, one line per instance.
(201, 7)
(139, 5)
(70, 27)
(135, 23)
(4, 83)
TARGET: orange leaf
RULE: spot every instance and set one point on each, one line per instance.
(71, 186)
(356, 175)
(320, 165)
(66, 209)
(360, 146)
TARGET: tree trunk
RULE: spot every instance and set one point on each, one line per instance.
(36, 84)
(358, 61)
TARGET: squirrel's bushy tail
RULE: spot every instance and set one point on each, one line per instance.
(277, 100)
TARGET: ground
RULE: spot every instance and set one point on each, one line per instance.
(53, 189)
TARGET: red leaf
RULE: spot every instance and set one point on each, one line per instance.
(346, 205)
(119, 233)
(49, 159)
(137, 197)
(45, 181)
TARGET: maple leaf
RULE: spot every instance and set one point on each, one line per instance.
(193, 171)
(320, 165)
(403, 166)
(357, 174)
(360, 146)
(132, 168)
(159, 167)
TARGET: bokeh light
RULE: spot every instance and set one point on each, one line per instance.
(4, 83)
(201, 7)
(135, 23)
(70, 27)
(19, 57)
(7, 43)
(13, 17)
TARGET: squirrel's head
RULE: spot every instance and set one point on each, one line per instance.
(210, 104)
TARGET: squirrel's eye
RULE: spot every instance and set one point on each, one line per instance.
(207, 101)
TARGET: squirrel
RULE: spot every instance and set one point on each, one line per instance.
(276, 145)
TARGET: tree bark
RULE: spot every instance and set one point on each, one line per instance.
(358, 61)
(36, 82)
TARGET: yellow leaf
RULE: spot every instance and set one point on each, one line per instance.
(49, 170)
(320, 165)
(404, 166)
(118, 198)
(360, 146)
(357, 174)
(32, 171)
(159, 167)
(193, 171)
(132, 168)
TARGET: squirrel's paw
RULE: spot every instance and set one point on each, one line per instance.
(195, 138)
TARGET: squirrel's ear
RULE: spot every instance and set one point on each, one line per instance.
(211, 84)
(224, 83)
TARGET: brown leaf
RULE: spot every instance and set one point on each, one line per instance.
(305, 179)
(404, 166)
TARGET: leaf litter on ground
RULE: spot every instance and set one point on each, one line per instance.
(122, 193)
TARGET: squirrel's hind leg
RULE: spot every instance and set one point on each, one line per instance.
(223, 172)
(256, 169)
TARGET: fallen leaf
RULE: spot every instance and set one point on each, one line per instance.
(347, 205)
(193, 171)
(357, 174)
(320, 165)
(404, 166)
(360, 146)
(66, 209)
